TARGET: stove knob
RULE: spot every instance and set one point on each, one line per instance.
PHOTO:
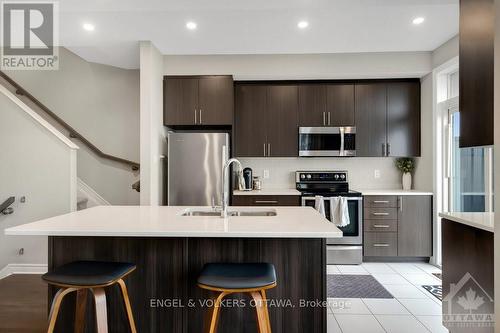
(302, 176)
(309, 176)
(336, 176)
(342, 176)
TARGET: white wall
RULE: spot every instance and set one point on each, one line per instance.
(323, 66)
(38, 165)
(102, 103)
(303, 66)
(152, 130)
(445, 52)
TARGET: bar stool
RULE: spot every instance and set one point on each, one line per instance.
(229, 278)
(82, 276)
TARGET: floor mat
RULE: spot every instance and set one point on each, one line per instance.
(355, 286)
(436, 291)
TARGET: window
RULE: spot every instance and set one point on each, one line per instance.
(469, 170)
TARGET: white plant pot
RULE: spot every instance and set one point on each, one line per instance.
(406, 181)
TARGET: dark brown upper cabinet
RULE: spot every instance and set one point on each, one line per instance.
(282, 121)
(340, 104)
(326, 105)
(266, 120)
(476, 70)
(371, 119)
(250, 126)
(312, 105)
(403, 119)
(388, 119)
(198, 100)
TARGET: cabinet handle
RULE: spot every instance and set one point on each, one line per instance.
(200, 115)
(269, 149)
(266, 201)
(400, 199)
(265, 149)
(380, 214)
(329, 123)
(383, 150)
(324, 118)
(381, 201)
(381, 245)
(195, 119)
(381, 226)
(388, 149)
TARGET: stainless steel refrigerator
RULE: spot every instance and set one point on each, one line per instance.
(194, 168)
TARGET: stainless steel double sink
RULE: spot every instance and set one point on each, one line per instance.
(231, 212)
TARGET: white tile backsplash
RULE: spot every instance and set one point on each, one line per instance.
(361, 170)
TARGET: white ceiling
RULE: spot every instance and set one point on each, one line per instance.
(253, 26)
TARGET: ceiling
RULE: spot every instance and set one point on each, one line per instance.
(253, 27)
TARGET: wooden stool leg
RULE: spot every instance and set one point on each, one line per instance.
(56, 305)
(100, 310)
(266, 310)
(81, 305)
(128, 308)
(214, 317)
(259, 308)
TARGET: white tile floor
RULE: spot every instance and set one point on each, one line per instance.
(412, 310)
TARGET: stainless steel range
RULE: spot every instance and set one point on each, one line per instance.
(329, 184)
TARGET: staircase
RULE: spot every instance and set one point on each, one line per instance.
(71, 133)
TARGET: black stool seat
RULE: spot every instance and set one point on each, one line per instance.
(237, 275)
(88, 273)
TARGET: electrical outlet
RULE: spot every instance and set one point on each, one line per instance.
(266, 174)
(376, 174)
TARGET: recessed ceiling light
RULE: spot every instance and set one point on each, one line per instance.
(303, 24)
(418, 20)
(88, 26)
(191, 25)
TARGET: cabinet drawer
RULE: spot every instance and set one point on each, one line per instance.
(381, 213)
(266, 200)
(380, 201)
(381, 225)
(380, 244)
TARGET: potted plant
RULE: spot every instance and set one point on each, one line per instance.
(406, 165)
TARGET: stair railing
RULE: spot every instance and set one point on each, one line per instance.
(5, 208)
(72, 132)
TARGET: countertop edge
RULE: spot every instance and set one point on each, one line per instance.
(284, 191)
(171, 235)
(467, 221)
(393, 192)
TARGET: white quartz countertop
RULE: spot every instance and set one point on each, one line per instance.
(393, 192)
(283, 191)
(163, 221)
(484, 221)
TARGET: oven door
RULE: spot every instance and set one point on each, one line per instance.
(353, 232)
(327, 141)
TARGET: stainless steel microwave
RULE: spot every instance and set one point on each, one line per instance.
(327, 141)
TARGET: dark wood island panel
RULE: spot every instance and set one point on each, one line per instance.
(167, 269)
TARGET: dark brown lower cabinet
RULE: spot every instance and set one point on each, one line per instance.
(398, 226)
(266, 200)
(415, 226)
(467, 259)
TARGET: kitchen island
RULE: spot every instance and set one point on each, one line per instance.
(170, 249)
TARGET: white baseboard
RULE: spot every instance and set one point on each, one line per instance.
(22, 269)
